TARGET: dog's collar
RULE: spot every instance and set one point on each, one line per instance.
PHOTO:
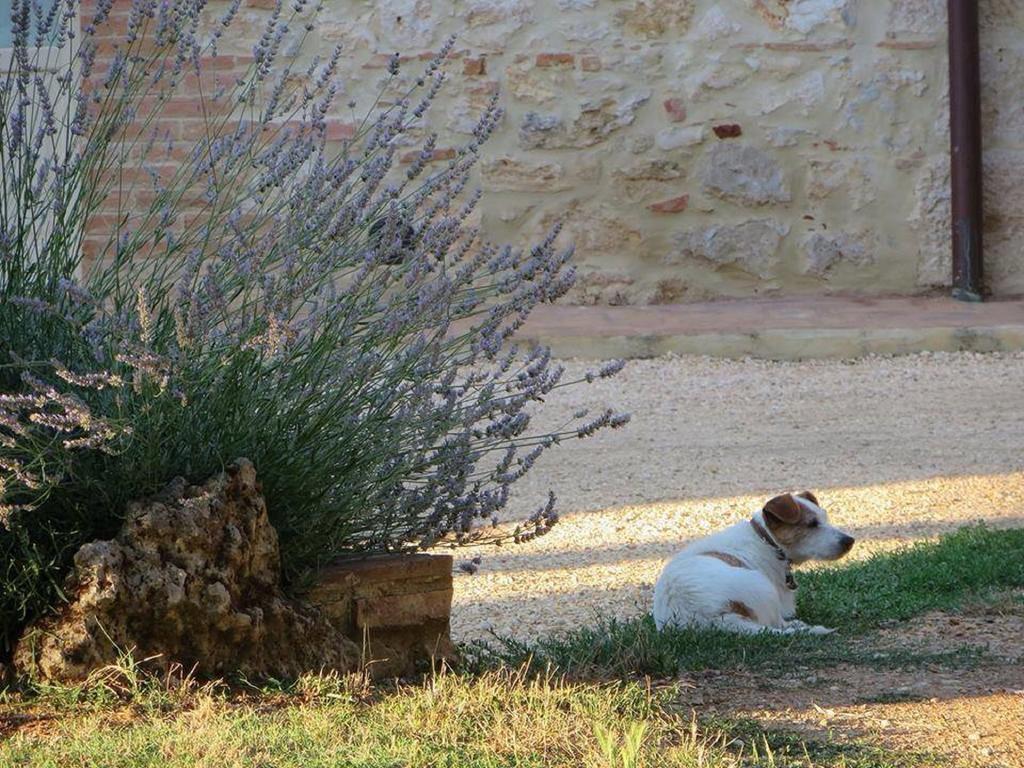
(779, 551)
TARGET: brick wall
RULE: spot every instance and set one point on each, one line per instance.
(703, 149)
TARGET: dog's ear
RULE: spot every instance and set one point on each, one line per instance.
(785, 509)
(810, 497)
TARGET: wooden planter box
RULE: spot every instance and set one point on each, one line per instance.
(396, 607)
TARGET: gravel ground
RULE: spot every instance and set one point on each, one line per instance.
(897, 449)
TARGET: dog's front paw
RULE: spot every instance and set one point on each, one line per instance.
(819, 630)
(796, 625)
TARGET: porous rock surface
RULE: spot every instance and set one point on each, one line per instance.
(193, 577)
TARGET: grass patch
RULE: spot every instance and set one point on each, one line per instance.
(636, 648)
(972, 562)
(969, 564)
(497, 719)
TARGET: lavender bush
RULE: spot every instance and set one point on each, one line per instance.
(325, 311)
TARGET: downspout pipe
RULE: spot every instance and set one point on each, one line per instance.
(965, 149)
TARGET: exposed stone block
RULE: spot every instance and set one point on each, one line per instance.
(656, 18)
(752, 246)
(930, 220)
(400, 605)
(916, 19)
(744, 174)
(823, 251)
(678, 137)
(475, 67)
(512, 174)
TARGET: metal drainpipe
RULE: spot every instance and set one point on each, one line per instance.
(965, 149)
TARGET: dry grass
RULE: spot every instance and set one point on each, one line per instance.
(495, 719)
(500, 718)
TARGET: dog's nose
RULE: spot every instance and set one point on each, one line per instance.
(847, 542)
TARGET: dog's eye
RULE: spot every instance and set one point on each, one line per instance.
(812, 524)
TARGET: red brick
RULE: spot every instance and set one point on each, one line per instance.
(223, 63)
(590, 63)
(107, 47)
(177, 153)
(185, 106)
(93, 247)
(672, 205)
(136, 175)
(809, 47)
(555, 59)
(102, 224)
(908, 45)
(676, 110)
(448, 153)
(728, 130)
(194, 130)
(475, 67)
(488, 88)
(382, 60)
(339, 131)
(115, 26)
(194, 198)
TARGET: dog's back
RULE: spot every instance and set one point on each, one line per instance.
(712, 580)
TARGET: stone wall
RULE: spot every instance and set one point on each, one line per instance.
(701, 149)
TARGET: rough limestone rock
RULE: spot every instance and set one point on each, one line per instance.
(744, 174)
(752, 246)
(510, 173)
(193, 577)
(917, 19)
(824, 251)
(654, 18)
(597, 120)
(930, 219)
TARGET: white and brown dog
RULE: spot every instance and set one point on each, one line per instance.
(741, 579)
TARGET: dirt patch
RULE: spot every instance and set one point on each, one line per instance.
(972, 714)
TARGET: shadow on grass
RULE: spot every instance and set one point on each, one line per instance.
(855, 599)
(781, 749)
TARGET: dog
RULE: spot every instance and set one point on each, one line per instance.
(741, 579)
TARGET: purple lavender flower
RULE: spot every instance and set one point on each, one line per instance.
(331, 311)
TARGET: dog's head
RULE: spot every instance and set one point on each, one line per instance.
(800, 526)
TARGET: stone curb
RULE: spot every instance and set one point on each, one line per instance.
(774, 341)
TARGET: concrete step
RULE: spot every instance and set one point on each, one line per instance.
(781, 329)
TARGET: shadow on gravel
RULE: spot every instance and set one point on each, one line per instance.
(582, 555)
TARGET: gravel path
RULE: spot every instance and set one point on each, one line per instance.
(896, 448)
